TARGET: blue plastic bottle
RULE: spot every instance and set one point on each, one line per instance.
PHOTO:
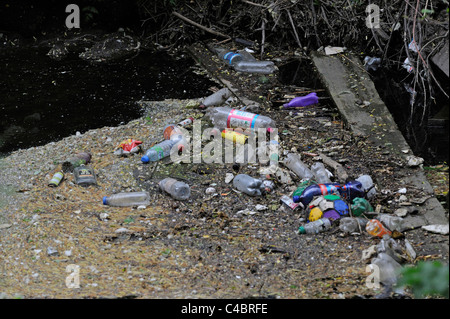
(348, 191)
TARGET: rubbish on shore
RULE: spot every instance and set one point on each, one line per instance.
(234, 136)
(286, 200)
(360, 206)
(127, 199)
(186, 122)
(315, 227)
(348, 191)
(248, 185)
(84, 176)
(321, 174)
(371, 63)
(243, 61)
(392, 222)
(81, 158)
(217, 98)
(128, 146)
(225, 117)
(388, 269)
(295, 164)
(56, 179)
(375, 228)
(407, 65)
(437, 229)
(352, 225)
(368, 185)
(413, 161)
(302, 101)
(177, 189)
(329, 50)
(159, 151)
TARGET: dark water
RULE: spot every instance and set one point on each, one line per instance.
(43, 100)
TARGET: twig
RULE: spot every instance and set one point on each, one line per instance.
(200, 26)
(293, 28)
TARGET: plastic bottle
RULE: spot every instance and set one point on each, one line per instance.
(243, 61)
(225, 117)
(350, 225)
(84, 176)
(127, 199)
(348, 191)
(388, 269)
(186, 122)
(175, 133)
(315, 227)
(375, 228)
(217, 98)
(159, 151)
(360, 206)
(368, 185)
(320, 173)
(177, 189)
(248, 185)
(392, 222)
(82, 158)
(295, 164)
(302, 186)
(300, 101)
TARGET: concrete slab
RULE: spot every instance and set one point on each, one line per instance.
(348, 85)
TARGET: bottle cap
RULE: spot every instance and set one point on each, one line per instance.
(296, 199)
(145, 159)
(301, 230)
(105, 200)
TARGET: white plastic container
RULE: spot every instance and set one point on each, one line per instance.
(249, 185)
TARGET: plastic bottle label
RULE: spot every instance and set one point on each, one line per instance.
(159, 151)
(230, 56)
(237, 118)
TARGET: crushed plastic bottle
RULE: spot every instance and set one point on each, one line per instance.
(351, 225)
(175, 133)
(177, 189)
(242, 61)
(159, 151)
(70, 164)
(217, 98)
(388, 269)
(360, 206)
(368, 185)
(315, 227)
(127, 199)
(225, 117)
(375, 228)
(320, 173)
(295, 164)
(301, 101)
(248, 185)
(392, 222)
(348, 191)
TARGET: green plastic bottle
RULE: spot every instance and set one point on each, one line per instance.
(360, 206)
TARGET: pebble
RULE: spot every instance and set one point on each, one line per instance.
(210, 190)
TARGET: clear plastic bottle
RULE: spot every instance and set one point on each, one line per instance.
(217, 98)
(248, 185)
(243, 61)
(177, 189)
(392, 222)
(315, 227)
(175, 133)
(350, 225)
(127, 199)
(320, 173)
(294, 163)
(159, 151)
(70, 164)
(225, 117)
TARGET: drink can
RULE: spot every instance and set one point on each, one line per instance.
(56, 179)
